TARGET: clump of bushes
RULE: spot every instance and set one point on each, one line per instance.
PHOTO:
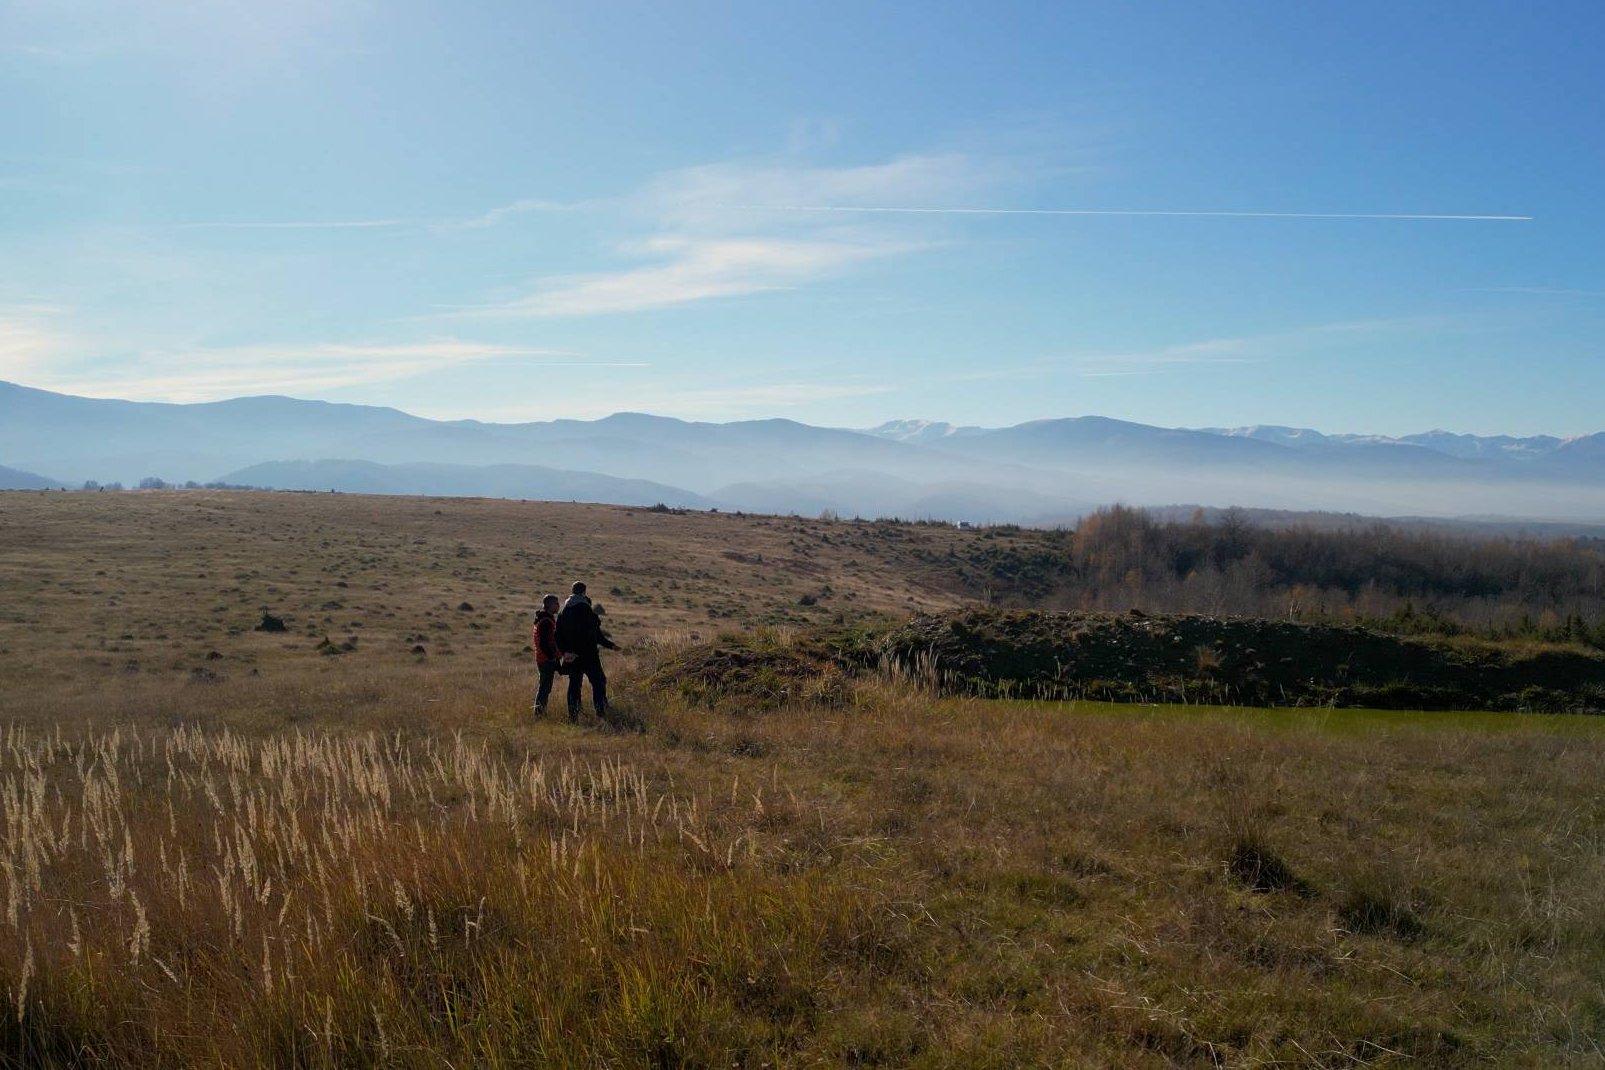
(1261, 869)
(754, 672)
(767, 669)
(1137, 657)
(1383, 908)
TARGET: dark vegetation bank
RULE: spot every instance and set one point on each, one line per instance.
(1135, 657)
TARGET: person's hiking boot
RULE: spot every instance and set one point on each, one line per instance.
(574, 715)
(540, 713)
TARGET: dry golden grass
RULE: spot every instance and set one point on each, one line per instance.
(372, 859)
(124, 592)
(198, 897)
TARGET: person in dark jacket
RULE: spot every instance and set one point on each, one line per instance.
(579, 632)
(547, 656)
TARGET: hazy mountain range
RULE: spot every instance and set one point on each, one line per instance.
(1041, 471)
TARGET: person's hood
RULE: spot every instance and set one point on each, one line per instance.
(584, 599)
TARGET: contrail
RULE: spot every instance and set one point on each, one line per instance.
(1143, 212)
(298, 224)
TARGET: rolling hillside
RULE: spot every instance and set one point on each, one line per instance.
(16, 479)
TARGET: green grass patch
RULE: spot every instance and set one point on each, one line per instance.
(1345, 721)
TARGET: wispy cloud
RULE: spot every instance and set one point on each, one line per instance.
(1243, 349)
(75, 52)
(725, 195)
(707, 236)
(499, 215)
(690, 270)
(1541, 291)
(705, 233)
(208, 373)
(1150, 361)
(782, 394)
(31, 341)
(492, 217)
(738, 229)
(808, 134)
(224, 41)
(26, 184)
(300, 224)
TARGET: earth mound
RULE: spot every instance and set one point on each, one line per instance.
(766, 669)
(1135, 657)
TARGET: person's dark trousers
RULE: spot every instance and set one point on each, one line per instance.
(548, 670)
(588, 667)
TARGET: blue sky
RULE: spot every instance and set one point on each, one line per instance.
(513, 211)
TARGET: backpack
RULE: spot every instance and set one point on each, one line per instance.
(573, 627)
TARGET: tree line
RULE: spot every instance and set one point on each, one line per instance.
(1400, 579)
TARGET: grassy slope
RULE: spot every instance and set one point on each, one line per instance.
(876, 879)
(145, 587)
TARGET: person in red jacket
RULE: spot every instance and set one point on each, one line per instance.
(547, 655)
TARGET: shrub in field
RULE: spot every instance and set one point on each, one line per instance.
(764, 670)
(1260, 868)
(1377, 905)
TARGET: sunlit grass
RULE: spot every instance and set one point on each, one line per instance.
(1334, 720)
(379, 859)
(889, 880)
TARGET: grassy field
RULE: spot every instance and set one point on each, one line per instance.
(160, 588)
(299, 853)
